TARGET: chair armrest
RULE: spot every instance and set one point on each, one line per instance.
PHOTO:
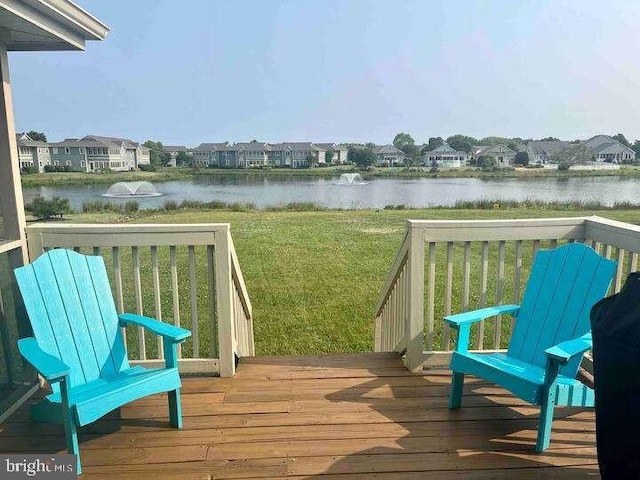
(467, 318)
(564, 351)
(51, 368)
(165, 330)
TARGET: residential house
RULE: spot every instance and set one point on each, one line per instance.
(605, 149)
(251, 154)
(95, 152)
(445, 157)
(503, 155)
(295, 154)
(213, 155)
(32, 153)
(72, 152)
(542, 152)
(388, 156)
(339, 152)
(173, 151)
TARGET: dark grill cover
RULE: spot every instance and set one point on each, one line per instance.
(615, 324)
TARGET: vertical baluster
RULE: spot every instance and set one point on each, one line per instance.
(96, 251)
(155, 274)
(536, 247)
(211, 285)
(402, 294)
(607, 251)
(633, 262)
(432, 292)
(620, 260)
(499, 288)
(135, 256)
(448, 294)
(553, 243)
(173, 267)
(393, 330)
(484, 273)
(517, 281)
(194, 302)
(466, 276)
(117, 274)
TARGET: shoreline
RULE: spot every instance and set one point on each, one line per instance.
(172, 174)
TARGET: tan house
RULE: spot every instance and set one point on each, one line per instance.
(32, 153)
(503, 155)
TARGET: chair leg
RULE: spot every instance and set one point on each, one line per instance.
(455, 394)
(175, 408)
(546, 419)
(69, 420)
(72, 443)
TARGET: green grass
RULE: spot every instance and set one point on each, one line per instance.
(314, 277)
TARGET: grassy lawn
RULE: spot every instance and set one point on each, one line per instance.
(314, 277)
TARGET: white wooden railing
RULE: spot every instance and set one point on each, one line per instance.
(185, 274)
(445, 266)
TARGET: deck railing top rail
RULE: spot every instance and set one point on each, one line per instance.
(189, 273)
(444, 266)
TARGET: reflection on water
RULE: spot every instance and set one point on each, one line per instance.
(270, 190)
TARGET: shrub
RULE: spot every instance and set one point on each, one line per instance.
(131, 206)
(170, 205)
(147, 168)
(563, 166)
(242, 207)
(42, 208)
(29, 170)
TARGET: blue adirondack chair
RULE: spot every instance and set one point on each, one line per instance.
(78, 346)
(550, 336)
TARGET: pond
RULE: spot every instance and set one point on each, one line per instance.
(265, 191)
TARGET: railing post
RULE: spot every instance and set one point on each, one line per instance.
(224, 304)
(415, 327)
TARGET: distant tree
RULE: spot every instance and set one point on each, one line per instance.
(575, 154)
(621, 138)
(310, 160)
(183, 158)
(636, 148)
(363, 157)
(370, 145)
(328, 157)
(254, 141)
(549, 139)
(404, 142)
(522, 158)
(486, 161)
(157, 156)
(432, 144)
(38, 136)
(501, 141)
(513, 146)
(462, 143)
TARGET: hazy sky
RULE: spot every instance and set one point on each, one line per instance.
(186, 72)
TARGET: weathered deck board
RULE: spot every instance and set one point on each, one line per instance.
(331, 417)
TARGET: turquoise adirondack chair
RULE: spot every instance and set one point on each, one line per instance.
(78, 346)
(550, 336)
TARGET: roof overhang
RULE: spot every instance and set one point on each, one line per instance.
(34, 25)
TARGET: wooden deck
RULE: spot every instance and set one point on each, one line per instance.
(338, 416)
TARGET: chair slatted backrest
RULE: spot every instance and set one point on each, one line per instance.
(70, 305)
(563, 286)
